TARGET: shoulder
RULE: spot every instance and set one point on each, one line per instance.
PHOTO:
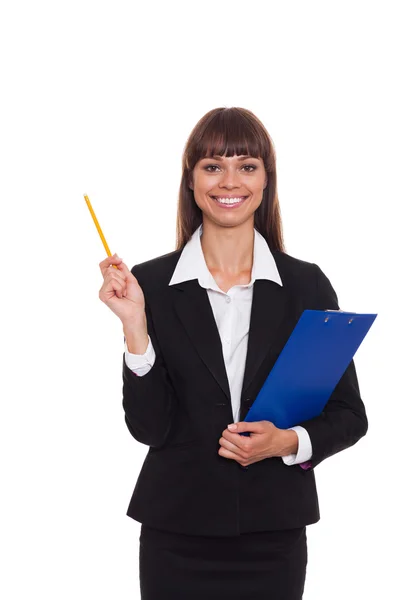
(306, 278)
(296, 272)
(155, 274)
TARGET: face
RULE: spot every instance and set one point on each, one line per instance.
(230, 179)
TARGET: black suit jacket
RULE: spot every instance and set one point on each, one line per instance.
(182, 405)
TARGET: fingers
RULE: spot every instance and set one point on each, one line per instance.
(115, 276)
(117, 282)
(122, 268)
(112, 283)
(110, 260)
(229, 445)
(230, 451)
(234, 441)
(114, 279)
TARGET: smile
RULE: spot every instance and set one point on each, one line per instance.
(228, 202)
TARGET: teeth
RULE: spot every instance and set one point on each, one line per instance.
(228, 200)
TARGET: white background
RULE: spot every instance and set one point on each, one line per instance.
(99, 98)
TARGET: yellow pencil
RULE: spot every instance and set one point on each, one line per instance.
(96, 222)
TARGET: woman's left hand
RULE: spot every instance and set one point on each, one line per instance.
(265, 440)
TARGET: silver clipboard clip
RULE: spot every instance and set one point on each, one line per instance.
(337, 310)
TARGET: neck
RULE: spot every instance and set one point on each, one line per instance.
(228, 249)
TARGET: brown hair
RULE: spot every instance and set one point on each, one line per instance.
(229, 131)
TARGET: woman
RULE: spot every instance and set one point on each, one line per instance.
(223, 515)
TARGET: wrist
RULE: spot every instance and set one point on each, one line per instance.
(287, 442)
(136, 336)
(135, 324)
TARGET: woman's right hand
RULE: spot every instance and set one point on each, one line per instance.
(121, 290)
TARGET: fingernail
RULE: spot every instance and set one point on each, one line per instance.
(232, 426)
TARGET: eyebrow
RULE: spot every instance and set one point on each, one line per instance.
(218, 157)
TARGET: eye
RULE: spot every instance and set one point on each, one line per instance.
(208, 168)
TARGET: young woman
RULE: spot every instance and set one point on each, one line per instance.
(223, 515)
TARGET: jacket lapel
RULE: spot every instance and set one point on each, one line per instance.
(270, 323)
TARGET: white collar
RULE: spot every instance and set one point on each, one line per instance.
(192, 265)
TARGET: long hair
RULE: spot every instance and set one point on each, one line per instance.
(229, 131)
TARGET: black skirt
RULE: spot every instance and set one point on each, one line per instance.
(267, 565)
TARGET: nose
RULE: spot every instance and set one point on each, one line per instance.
(230, 179)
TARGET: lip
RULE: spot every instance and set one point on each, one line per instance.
(227, 196)
(229, 206)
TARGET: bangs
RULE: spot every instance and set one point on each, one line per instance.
(228, 133)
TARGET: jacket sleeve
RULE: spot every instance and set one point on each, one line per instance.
(150, 401)
(343, 421)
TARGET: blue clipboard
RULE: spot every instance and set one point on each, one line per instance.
(309, 366)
